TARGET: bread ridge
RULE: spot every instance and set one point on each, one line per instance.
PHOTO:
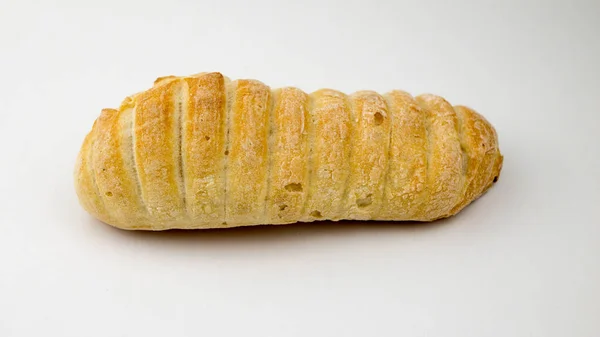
(203, 151)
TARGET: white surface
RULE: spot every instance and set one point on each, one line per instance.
(522, 261)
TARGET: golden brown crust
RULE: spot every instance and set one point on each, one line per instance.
(445, 175)
(203, 149)
(116, 188)
(289, 154)
(369, 157)
(247, 161)
(329, 164)
(86, 188)
(484, 159)
(407, 175)
(156, 146)
(204, 152)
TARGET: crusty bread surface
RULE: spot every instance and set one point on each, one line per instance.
(204, 151)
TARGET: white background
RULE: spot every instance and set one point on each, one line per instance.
(522, 261)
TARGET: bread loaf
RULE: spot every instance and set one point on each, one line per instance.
(206, 152)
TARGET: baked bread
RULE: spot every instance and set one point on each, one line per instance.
(206, 152)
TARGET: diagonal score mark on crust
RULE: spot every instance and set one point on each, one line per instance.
(352, 127)
(388, 157)
(270, 152)
(229, 97)
(92, 172)
(136, 171)
(181, 108)
(426, 193)
(465, 157)
(311, 129)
